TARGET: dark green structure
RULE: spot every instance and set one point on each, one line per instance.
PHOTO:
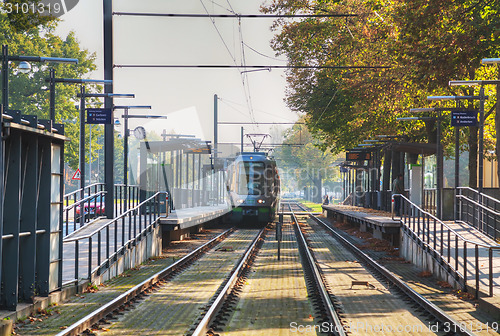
(31, 159)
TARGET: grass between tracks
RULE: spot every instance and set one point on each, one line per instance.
(315, 207)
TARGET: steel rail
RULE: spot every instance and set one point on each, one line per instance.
(94, 317)
(392, 278)
(204, 325)
(315, 270)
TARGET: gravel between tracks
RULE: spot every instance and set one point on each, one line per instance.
(56, 317)
(462, 311)
(274, 294)
(172, 309)
(363, 306)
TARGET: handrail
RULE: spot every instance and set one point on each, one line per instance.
(495, 247)
(479, 204)
(86, 187)
(83, 200)
(114, 219)
(481, 194)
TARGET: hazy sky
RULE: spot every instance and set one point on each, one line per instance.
(139, 40)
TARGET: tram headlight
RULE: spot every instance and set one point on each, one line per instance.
(240, 201)
(261, 201)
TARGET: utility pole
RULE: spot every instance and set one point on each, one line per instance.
(216, 135)
(82, 143)
(242, 134)
(108, 103)
(216, 139)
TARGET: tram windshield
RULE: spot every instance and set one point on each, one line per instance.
(251, 178)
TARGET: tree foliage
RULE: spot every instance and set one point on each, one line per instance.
(426, 43)
(301, 158)
(28, 92)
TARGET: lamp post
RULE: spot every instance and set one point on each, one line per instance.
(82, 95)
(482, 99)
(24, 67)
(457, 137)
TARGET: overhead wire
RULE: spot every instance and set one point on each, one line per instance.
(246, 87)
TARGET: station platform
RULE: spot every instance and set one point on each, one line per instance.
(185, 218)
(379, 223)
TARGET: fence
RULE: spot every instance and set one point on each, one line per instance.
(126, 197)
(118, 235)
(79, 212)
(442, 243)
(479, 210)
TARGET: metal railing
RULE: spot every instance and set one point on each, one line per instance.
(115, 237)
(93, 204)
(75, 196)
(430, 197)
(126, 197)
(479, 210)
(83, 211)
(442, 243)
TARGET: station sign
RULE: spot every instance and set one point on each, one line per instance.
(98, 116)
(200, 150)
(464, 118)
(358, 156)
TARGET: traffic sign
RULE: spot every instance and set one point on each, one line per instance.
(98, 116)
(464, 118)
(77, 175)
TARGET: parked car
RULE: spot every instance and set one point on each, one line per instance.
(93, 208)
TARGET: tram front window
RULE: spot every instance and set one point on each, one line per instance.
(250, 178)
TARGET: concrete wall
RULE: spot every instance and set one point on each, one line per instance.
(414, 253)
(149, 246)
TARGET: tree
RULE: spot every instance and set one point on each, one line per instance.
(310, 165)
(426, 43)
(28, 93)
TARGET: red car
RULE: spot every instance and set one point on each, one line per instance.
(93, 208)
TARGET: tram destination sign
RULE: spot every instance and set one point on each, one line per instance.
(98, 116)
(358, 156)
(464, 118)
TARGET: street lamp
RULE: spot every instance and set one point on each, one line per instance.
(82, 95)
(457, 137)
(24, 67)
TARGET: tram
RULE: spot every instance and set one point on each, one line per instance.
(254, 188)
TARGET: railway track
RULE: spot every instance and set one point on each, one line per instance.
(212, 265)
(431, 312)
